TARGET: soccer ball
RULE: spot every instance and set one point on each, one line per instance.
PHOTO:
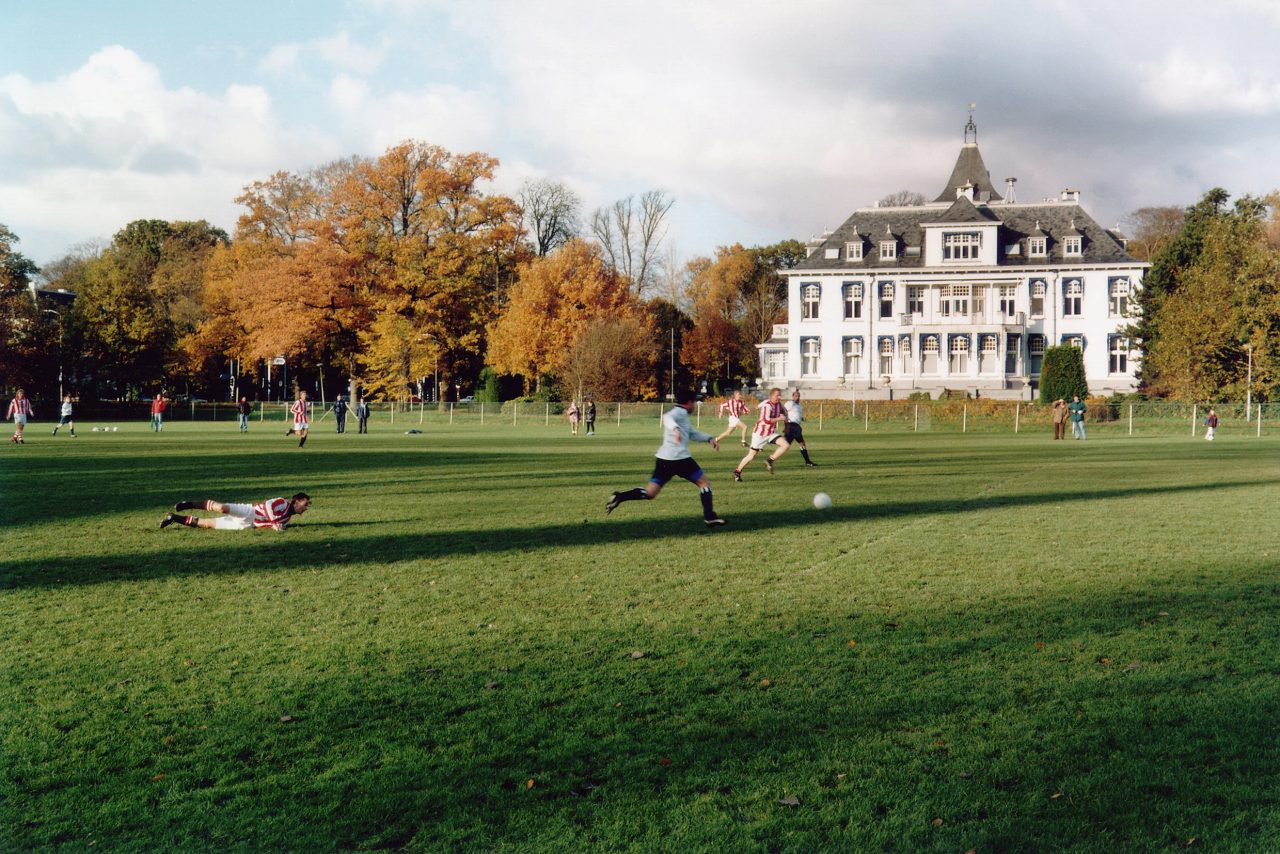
(822, 501)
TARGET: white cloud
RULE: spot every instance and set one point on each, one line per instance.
(1182, 83)
(109, 142)
(336, 51)
(458, 119)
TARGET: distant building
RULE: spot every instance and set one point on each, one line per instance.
(963, 293)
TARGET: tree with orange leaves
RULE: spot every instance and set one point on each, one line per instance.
(555, 301)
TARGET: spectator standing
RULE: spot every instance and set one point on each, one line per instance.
(1077, 409)
(590, 408)
(244, 409)
(1211, 424)
(362, 415)
(1059, 419)
(158, 406)
(340, 413)
(574, 415)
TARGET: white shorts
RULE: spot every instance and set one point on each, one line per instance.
(299, 426)
(734, 422)
(758, 442)
(239, 518)
(20, 421)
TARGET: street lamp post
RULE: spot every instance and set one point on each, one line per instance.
(1248, 394)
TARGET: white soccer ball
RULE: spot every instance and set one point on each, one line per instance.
(822, 501)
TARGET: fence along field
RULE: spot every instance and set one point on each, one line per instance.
(1139, 417)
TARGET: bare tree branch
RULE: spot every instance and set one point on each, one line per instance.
(550, 212)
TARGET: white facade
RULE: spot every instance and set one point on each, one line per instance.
(962, 295)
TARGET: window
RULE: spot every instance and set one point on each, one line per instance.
(888, 250)
(853, 251)
(886, 300)
(1072, 297)
(1012, 349)
(915, 300)
(979, 301)
(955, 300)
(886, 356)
(776, 364)
(1035, 353)
(1119, 351)
(832, 253)
(962, 246)
(1076, 341)
(1037, 298)
(1071, 246)
(852, 357)
(988, 354)
(1038, 247)
(904, 350)
(810, 350)
(1119, 297)
(929, 355)
(959, 363)
(809, 297)
(1008, 299)
(852, 300)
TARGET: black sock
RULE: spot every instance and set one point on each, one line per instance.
(804, 452)
(190, 505)
(707, 512)
(302, 442)
(189, 521)
(637, 494)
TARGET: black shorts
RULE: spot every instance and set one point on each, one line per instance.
(794, 432)
(664, 470)
(66, 419)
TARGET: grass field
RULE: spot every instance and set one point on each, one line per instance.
(990, 642)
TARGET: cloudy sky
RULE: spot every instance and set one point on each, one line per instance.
(763, 119)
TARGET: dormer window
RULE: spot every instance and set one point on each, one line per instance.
(961, 246)
(1038, 247)
(1072, 246)
(888, 250)
(853, 251)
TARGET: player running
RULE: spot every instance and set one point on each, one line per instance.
(735, 407)
(65, 417)
(674, 460)
(301, 410)
(19, 411)
(795, 433)
(274, 513)
(768, 431)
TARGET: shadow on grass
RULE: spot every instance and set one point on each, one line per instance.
(581, 746)
(253, 550)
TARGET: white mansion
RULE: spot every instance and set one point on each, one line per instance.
(963, 293)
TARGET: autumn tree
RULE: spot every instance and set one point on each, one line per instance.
(556, 297)
(630, 232)
(611, 358)
(23, 339)
(1152, 229)
(1226, 303)
(550, 213)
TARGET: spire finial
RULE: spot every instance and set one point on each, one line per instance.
(970, 127)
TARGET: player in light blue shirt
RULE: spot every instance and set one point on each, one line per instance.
(674, 460)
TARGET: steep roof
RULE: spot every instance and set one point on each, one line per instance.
(962, 210)
(1017, 223)
(970, 170)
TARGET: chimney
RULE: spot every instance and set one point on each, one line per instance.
(1009, 195)
(1070, 195)
(966, 191)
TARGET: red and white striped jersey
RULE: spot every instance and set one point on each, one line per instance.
(734, 407)
(19, 406)
(301, 410)
(272, 513)
(767, 423)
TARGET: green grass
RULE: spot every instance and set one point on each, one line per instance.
(990, 642)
